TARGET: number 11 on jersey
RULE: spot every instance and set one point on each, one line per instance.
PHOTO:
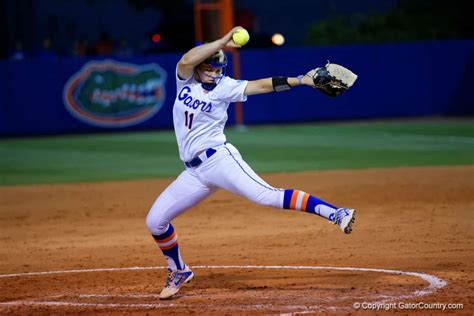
(188, 119)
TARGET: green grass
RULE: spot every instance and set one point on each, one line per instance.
(266, 149)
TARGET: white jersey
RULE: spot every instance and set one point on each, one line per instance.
(199, 118)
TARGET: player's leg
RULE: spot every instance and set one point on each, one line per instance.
(229, 171)
(185, 192)
(302, 201)
(234, 174)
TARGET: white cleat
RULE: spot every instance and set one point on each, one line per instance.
(174, 281)
(344, 218)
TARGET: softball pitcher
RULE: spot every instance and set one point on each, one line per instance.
(204, 93)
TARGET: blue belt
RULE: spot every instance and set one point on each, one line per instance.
(199, 159)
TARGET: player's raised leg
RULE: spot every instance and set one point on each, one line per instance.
(302, 201)
(185, 192)
(232, 173)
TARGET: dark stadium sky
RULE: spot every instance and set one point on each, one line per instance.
(66, 21)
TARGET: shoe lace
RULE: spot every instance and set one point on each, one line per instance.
(338, 216)
(170, 278)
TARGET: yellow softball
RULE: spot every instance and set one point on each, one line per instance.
(241, 37)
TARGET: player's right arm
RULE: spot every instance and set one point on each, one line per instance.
(198, 54)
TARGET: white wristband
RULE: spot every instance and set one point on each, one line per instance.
(300, 79)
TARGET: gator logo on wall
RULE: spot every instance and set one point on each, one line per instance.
(113, 94)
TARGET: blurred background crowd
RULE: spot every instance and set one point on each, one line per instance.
(50, 29)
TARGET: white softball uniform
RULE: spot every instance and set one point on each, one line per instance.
(199, 118)
(199, 121)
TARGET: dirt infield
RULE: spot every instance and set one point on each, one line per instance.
(409, 219)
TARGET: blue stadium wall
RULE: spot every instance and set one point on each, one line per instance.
(395, 80)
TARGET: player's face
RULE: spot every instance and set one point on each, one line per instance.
(209, 74)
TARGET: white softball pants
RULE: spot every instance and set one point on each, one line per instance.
(225, 169)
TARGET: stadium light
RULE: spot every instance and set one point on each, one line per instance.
(278, 39)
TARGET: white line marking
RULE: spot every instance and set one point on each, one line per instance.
(119, 295)
(434, 284)
(76, 304)
(77, 271)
